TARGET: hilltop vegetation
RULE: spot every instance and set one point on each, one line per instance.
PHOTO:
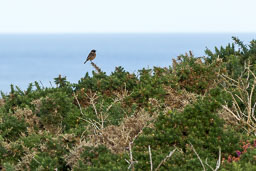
(198, 114)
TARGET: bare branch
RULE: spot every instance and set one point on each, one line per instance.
(78, 103)
(226, 77)
(230, 111)
(92, 101)
(150, 158)
(197, 156)
(164, 160)
(131, 162)
(217, 164)
(244, 94)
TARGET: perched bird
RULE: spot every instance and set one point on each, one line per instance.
(91, 56)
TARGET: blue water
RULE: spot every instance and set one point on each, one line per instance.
(28, 58)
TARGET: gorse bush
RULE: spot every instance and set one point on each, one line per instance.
(57, 109)
(234, 56)
(11, 127)
(100, 82)
(197, 124)
(159, 119)
(195, 74)
(99, 158)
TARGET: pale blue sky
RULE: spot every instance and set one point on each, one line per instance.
(115, 16)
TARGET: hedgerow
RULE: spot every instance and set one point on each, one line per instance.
(193, 115)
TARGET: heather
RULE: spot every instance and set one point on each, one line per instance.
(197, 114)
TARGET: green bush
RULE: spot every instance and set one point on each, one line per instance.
(58, 109)
(195, 75)
(99, 158)
(234, 56)
(197, 124)
(11, 127)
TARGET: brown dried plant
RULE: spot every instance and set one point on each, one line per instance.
(96, 67)
(29, 155)
(29, 117)
(100, 112)
(1, 102)
(177, 100)
(38, 104)
(115, 138)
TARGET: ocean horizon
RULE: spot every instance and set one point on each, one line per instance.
(26, 58)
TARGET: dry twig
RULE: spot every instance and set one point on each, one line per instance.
(217, 164)
(131, 162)
(244, 93)
(150, 158)
(164, 160)
(197, 156)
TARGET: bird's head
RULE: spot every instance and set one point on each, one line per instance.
(93, 50)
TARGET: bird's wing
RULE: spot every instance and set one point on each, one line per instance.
(88, 57)
(90, 54)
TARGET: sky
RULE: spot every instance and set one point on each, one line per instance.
(126, 16)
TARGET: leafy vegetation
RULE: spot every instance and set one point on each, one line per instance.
(198, 114)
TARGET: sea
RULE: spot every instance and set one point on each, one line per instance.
(25, 58)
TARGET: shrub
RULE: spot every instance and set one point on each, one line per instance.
(198, 124)
(57, 109)
(234, 56)
(194, 75)
(11, 127)
(99, 158)
(97, 123)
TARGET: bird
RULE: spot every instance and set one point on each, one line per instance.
(91, 56)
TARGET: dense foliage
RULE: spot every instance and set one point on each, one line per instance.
(198, 114)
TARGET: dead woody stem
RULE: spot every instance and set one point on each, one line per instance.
(242, 91)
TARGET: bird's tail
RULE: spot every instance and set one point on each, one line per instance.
(85, 61)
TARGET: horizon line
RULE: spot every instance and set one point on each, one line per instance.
(218, 32)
